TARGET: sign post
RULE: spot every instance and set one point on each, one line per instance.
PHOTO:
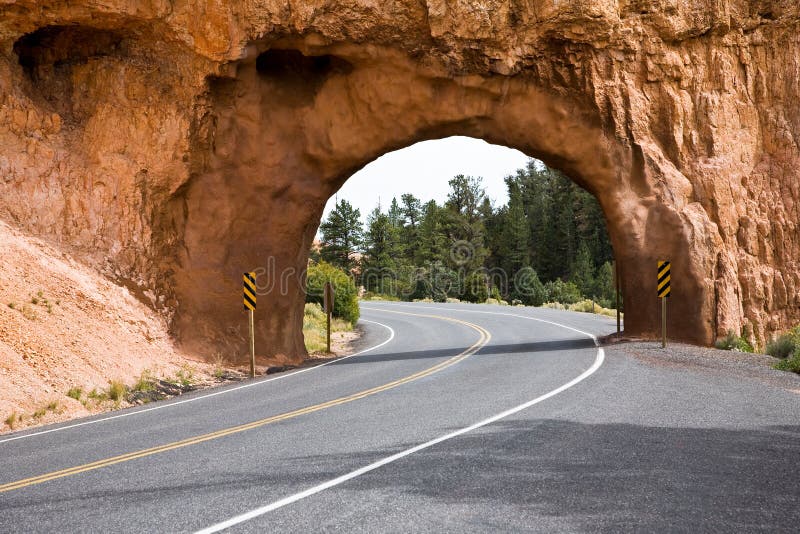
(616, 292)
(663, 293)
(328, 302)
(249, 295)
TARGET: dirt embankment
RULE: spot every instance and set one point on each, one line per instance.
(73, 343)
(65, 329)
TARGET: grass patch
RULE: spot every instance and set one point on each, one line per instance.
(75, 393)
(12, 305)
(733, 342)
(314, 327)
(219, 365)
(29, 313)
(590, 306)
(98, 395)
(585, 306)
(116, 391)
(12, 420)
(496, 302)
(369, 295)
(146, 382)
(185, 376)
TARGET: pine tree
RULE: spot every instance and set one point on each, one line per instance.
(466, 195)
(604, 285)
(431, 241)
(516, 231)
(410, 218)
(463, 225)
(341, 235)
(378, 272)
(582, 271)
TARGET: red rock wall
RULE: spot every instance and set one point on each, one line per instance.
(175, 145)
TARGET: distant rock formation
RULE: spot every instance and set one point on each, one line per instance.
(176, 144)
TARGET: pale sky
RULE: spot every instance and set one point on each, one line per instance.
(423, 169)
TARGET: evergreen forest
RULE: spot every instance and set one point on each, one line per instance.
(547, 244)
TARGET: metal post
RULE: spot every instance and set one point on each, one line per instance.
(616, 291)
(663, 322)
(328, 314)
(252, 347)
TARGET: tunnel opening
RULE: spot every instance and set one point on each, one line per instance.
(524, 234)
(268, 137)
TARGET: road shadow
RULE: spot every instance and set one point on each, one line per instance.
(604, 477)
(518, 475)
(489, 350)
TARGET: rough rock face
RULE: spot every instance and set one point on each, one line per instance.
(176, 144)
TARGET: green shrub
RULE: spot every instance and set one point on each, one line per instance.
(791, 363)
(476, 287)
(527, 288)
(733, 342)
(785, 345)
(75, 393)
(563, 292)
(345, 301)
(782, 347)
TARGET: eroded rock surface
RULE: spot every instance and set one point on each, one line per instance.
(175, 145)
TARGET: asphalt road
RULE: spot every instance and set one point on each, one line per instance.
(461, 418)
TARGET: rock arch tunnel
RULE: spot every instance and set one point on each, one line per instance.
(175, 149)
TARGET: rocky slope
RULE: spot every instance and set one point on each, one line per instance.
(64, 326)
(174, 145)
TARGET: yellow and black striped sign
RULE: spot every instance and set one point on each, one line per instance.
(663, 279)
(249, 291)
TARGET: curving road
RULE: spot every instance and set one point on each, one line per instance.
(451, 418)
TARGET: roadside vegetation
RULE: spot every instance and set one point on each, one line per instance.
(345, 305)
(734, 342)
(314, 327)
(786, 347)
(147, 387)
(16, 418)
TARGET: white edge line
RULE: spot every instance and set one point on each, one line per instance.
(200, 397)
(598, 361)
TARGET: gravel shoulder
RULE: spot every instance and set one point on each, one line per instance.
(756, 367)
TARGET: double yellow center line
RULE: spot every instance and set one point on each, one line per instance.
(484, 338)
